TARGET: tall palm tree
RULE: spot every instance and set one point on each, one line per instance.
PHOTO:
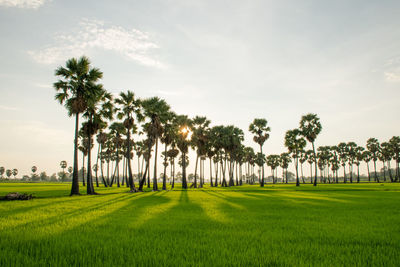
(284, 160)
(158, 111)
(8, 173)
(99, 108)
(343, 157)
(129, 108)
(199, 140)
(358, 158)
(295, 143)
(183, 141)
(76, 85)
(261, 134)
(310, 127)
(367, 156)
(311, 161)
(273, 162)
(351, 152)
(395, 146)
(117, 129)
(374, 147)
(386, 156)
(168, 137)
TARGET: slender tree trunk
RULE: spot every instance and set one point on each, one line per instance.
(311, 174)
(262, 169)
(97, 166)
(155, 185)
(315, 163)
(131, 181)
(390, 172)
(384, 171)
(211, 179)
(75, 180)
(164, 185)
(123, 171)
(302, 175)
(184, 183)
(369, 174)
(297, 171)
(344, 174)
(173, 174)
(89, 188)
(358, 173)
(195, 171)
(376, 176)
(83, 169)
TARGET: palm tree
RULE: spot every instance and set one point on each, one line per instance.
(386, 155)
(284, 160)
(374, 147)
(358, 158)
(310, 159)
(343, 157)
(34, 169)
(168, 137)
(77, 84)
(2, 170)
(116, 130)
(183, 141)
(63, 165)
(310, 127)
(199, 140)
(158, 111)
(395, 146)
(367, 156)
(295, 143)
(261, 134)
(351, 153)
(129, 107)
(172, 154)
(14, 172)
(273, 162)
(8, 173)
(335, 163)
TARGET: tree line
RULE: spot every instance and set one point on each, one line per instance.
(113, 121)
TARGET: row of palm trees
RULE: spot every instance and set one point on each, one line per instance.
(79, 90)
(8, 172)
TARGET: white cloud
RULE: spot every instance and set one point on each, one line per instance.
(133, 44)
(392, 76)
(8, 108)
(33, 4)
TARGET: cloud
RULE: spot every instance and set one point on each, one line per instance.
(132, 44)
(392, 76)
(30, 4)
(8, 108)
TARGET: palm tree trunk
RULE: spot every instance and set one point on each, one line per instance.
(297, 171)
(155, 186)
(262, 178)
(184, 183)
(97, 166)
(89, 188)
(369, 174)
(358, 173)
(211, 179)
(311, 175)
(195, 171)
(131, 182)
(164, 184)
(344, 174)
(390, 171)
(75, 180)
(315, 163)
(376, 176)
(302, 175)
(83, 169)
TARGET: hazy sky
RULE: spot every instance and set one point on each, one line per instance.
(231, 61)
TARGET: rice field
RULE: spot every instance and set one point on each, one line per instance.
(279, 225)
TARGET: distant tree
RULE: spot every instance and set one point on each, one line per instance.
(14, 172)
(273, 162)
(43, 176)
(63, 165)
(310, 127)
(2, 170)
(295, 143)
(8, 173)
(343, 157)
(261, 133)
(395, 146)
(374, 147)
(367, 156)
(284, 163)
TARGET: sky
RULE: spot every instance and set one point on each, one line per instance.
(231, 61)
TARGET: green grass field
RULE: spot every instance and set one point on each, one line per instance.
(281, 225)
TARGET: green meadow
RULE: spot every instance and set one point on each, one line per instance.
(279, 225)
